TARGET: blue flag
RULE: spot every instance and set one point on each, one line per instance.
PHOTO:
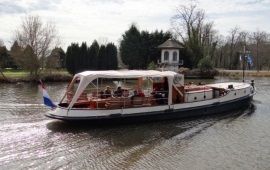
(249, 61)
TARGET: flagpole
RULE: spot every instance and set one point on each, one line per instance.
(244, 58)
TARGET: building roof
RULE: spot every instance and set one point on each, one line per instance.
(170, 44)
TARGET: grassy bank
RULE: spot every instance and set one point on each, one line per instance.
(13, 76)
(10, 73)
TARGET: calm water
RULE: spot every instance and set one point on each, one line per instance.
(29, 140)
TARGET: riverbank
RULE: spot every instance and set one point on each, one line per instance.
(248, 73)
(45, 78)
(14, 76)
(64, 76)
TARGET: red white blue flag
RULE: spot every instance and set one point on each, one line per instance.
(46, 98)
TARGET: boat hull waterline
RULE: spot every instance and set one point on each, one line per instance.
(167, 114)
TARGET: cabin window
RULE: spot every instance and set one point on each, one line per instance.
(166, 56)
(174, 56)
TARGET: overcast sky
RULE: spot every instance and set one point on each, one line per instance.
(87, 20)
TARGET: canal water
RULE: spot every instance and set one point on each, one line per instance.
(29, 140)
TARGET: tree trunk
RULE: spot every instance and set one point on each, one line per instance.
(3, 74)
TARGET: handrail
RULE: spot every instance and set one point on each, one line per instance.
(178, 90)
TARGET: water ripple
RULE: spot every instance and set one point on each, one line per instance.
(29, 140)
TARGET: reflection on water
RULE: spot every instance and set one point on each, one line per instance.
(29, 140)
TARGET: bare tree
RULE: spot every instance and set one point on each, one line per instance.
(53, 60)
(188, 21)
(3, 58)
(188, 24)
(219, 57)
(210, 40)
(259, 41)
(29, 60)
(267, 51)
(232, 41)
(42, 38)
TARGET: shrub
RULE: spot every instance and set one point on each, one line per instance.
(205, 63)
(183, 70)
(152, 66)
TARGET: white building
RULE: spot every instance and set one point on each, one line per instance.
(170, 56)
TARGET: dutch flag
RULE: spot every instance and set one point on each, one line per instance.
(46, 98)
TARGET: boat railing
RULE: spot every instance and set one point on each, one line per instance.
(118, 102)
(96, 100)
(126, 102)
(82, 97)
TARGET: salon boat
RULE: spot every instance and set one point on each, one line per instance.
(180, 100)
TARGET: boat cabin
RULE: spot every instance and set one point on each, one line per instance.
(138, 89)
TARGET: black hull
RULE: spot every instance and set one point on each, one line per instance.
(168, 114)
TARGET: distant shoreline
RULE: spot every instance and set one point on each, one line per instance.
(45, 78)
(67, 78)
(248, 73)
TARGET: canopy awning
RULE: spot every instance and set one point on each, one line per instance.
(87, 77)
(91, 75)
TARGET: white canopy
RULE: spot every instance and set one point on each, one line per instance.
(87, 77)
(91, 75)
